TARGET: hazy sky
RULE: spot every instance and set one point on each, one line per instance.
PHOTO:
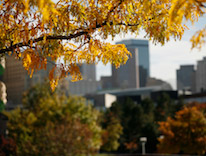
(165, 60)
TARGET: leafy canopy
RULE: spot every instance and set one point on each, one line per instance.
(39, 31)
(52, 124)
(186, 133)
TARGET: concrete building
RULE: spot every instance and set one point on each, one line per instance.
(17, 80)
(106, 82)
(135, 72)
(88, 84)
(101, 101)
(14, 78)
(201, 76)
(186, 78)
(83, 87)
(139, 94)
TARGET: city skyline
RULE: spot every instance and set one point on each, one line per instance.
(165, 60)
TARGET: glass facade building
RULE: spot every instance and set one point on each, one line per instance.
(135, 72)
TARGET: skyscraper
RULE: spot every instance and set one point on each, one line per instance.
(135, 72)
(14, 78)
(17, 80)
(186, 78)
(201, 76)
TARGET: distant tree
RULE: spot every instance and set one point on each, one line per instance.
(179, 105)
(112, 130)
(52, 124)
(165, 107)
(137, 120)
(37, 93)
(150, 128)
(131, 117)
(186, 133)
(148, 108)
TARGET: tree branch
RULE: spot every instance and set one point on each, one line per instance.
(63, 37)
(49, 37)
(58, 37)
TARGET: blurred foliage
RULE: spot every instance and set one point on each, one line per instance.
(53, 124)
(134, 119)
(2, 106)
(186, 132)
(165, 107)
(111, 133)
(7, 147)
(141, 120)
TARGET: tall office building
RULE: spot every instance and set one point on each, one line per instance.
(201, 76)
(186, 78)
(14, 78)
(17, 80)
(135, 72)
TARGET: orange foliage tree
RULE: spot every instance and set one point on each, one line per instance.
(186, 133)
(39, 31)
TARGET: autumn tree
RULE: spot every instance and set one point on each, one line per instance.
(7, 146)
(186, 133)
(54, 125)
(37, 31)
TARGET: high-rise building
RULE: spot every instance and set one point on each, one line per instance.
(14, 78)
(17, 80)
(135, 72)
(186, 78)
(201, 76)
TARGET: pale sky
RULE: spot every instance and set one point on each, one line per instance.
(165, 60)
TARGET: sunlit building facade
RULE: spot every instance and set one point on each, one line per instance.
(135, 72)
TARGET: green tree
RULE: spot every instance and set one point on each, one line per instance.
(112, 130)
(150, 127)
(52, 124)
(165, 107)
(129, 114)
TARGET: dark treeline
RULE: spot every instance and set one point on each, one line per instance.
(141, 120)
